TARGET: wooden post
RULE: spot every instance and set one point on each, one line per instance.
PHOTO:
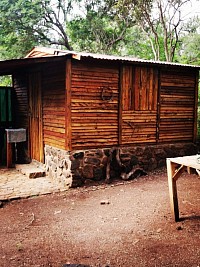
(68, 130)
(196, 108)
(9, 154)
(36, 145)
(120, 105)
(158, 108)
(172, 189)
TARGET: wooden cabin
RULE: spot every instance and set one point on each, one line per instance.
(82, 102)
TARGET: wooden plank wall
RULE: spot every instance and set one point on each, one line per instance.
(94, 104)
(53, 98)
(139, 87)
(177, 102)
(20, 85)
(35, 117)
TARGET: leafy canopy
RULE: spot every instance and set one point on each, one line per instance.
(151, 29)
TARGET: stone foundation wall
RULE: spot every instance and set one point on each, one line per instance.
(76, 167)
(58, 165)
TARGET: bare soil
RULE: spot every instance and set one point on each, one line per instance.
(120, 224)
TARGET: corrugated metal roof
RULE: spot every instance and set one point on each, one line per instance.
(132, 59)
(42, 54)
(43, 51)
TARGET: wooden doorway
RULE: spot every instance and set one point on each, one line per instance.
(35, 117)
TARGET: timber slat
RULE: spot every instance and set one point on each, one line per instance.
(177, 106)
(54, 105)
(53, 133)
(54, 129)
(94, 120)
(82, 107)
(21, 96)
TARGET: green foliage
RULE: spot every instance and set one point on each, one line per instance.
(6, 80)
(135, 44)
(96, 33)
(140, 28)
(19, 24)
(189, 51)
(102, 29)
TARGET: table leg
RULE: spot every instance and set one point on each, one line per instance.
(9, 155)
(172, 189)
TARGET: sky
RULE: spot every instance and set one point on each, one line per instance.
(191, 8)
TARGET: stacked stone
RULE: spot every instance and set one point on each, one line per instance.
(89, 164)
(77, 167)
(58, 166)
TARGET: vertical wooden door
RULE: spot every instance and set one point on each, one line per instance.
(35, 117)
(138, 114)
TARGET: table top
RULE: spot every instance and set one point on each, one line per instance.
(189, 161)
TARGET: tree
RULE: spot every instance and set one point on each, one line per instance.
(55, 19)
(30, 23)
(17, 34)
(189, 51)
(142, 28)
(161, 21)
(99, 28)
(136, 44)
(14, 38)
(111, 26)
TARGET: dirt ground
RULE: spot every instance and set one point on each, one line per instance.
(120, 224)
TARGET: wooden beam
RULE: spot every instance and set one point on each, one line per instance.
(196, 107)
(178, 172)
(171, 169)
(35, 117)
(120, 106)
(68, 77)
(158, 108)
(9, 154)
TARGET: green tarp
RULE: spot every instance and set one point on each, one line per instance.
(5, 106)
(5, 118)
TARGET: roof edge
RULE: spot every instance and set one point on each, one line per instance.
(48, 52)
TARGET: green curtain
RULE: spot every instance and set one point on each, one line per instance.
(5, 105)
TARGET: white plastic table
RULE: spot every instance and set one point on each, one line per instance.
(175, 167)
